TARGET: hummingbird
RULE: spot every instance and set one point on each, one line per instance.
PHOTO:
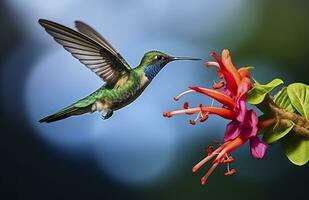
(123, 84)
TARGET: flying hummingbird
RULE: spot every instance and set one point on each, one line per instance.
(122, 83)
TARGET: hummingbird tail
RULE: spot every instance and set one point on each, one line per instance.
(65, 113)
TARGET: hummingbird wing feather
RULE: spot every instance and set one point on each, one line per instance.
(93, 34)
(97, 57)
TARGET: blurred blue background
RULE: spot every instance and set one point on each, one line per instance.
(138, 154)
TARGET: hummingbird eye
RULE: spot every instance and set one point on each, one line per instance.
(158, 57)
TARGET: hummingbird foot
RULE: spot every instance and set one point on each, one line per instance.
(108, 114)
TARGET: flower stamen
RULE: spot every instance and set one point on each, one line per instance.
(223, 112)
(206, 159)
(185, 105)
(193, 122)
(230, 172)
(204, 117)
(229, 159)
(210, 150)
(176, 98)
(212, 168)
(212, 64)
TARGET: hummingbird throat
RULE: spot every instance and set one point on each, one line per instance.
(152, 70)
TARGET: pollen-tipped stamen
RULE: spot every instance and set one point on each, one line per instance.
(212, 168)
(176, 98)
(228, 160)
(167, 114)
(188, 111)
(230, 172)
(206, 159)
(193, 121)
(204, 117)
(210, 150)
(212, 64)
(185, 105)
(223, 112)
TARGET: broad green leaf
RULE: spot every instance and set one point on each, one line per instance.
(272, 134)
(257, 94)
(299, 96)
(296, 148)
(283, 101)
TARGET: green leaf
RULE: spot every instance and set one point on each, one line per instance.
(257, 94)
(272, 134)
(296, 148)
(283, 101)
(299, 96)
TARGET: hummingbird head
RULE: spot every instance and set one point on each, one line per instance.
(154, 61)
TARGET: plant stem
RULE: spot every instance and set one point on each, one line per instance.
(283, 117)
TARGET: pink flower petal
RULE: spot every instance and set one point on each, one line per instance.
(242, 90)
(241, 110)
(252, 118)
(257, 147)
(240, 102)
(232, 130)
(247, 131)
(249, 126)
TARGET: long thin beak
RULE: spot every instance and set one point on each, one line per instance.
(183, 58)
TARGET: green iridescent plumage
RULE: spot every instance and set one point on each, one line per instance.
(122, 83)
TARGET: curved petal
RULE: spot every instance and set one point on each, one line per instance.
(232, 130)
(229, 78)
(257, 147)
(219, 96)
(244, 72)
(240, 101)
(227, 61)
(252, 118)
(249, 127)
(241, 110)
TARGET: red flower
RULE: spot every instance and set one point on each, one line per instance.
(231, 93)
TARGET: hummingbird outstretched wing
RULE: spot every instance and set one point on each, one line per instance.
(89, 48)
(93, 34)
